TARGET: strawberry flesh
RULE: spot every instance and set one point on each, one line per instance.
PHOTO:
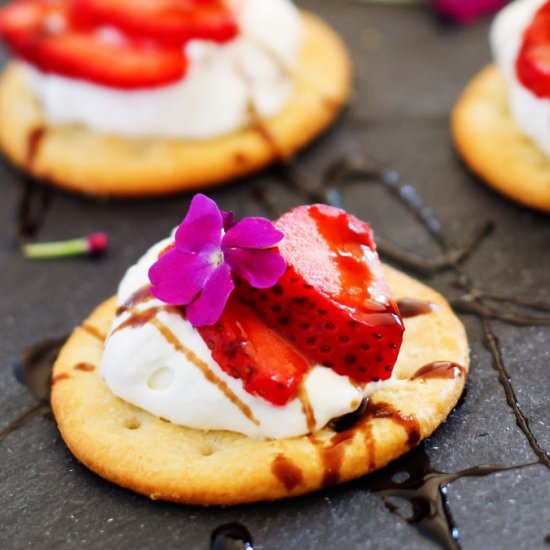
(533, 61)
(164, 21)
(332, 303)
(246, 348)
(45, 34)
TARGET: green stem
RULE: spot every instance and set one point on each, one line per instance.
(60, 249)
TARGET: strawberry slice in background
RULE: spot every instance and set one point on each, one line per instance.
(332, 303)
(43, 33)
(533, 61)
(246, 348)
(164, 21)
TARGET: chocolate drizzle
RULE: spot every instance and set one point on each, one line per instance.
(231, 536)
(430, 509)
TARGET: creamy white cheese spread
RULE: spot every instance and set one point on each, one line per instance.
(213, 98)
(531, 113)
(163, 366)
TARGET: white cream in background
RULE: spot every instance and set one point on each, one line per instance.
(531, 113)
(211, 99)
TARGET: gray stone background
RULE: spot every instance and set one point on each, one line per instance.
(409, 70)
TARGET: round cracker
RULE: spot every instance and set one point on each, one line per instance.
(137, 450)
(81, 160)
(494, 147)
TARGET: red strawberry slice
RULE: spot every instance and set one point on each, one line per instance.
(164, 21)
(246, 348)
(533, 61)
(332, 302)
(42, 33)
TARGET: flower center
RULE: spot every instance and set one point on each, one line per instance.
(216, 258)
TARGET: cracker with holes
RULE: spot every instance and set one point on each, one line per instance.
(123, 113)
(499, 123)
(247, 361)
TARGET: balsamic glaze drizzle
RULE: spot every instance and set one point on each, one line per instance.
(411, 478)
(231, 536)
(429, 491)
(33, 204)
(34, 370)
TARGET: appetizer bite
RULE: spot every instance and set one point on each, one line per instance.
(500, 123)
(152, 97)
(245, 361)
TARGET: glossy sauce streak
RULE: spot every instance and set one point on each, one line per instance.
(347, 255)
(288, 473)
(263, 130)
(408, 422)
(348, 421)
(85, 367)
(33, 143)
(172, 339)
(34, 369)
(307, 409)
(359, 421)
(58, 377)
(332, 456)
(139, 297)
(140, 318)
(412, 478)
(370, 445)
(93, 331)
(439, 369)
(410, 307)
(33, 204)
(332, 452)
(231, 536)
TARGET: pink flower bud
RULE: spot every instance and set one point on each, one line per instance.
(97, 243)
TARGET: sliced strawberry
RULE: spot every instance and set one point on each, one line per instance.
(42, 33)
(246, 348)
(116, 64)
(164, 21)
(332, 302)
(533, 61)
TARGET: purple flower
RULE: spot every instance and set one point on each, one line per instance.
(210, 246)
(466, 11)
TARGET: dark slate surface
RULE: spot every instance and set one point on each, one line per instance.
(409, 71)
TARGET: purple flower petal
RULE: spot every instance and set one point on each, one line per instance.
(252, 233)
(177, 277)
(201, 229)
(208, 307)
(260, 268)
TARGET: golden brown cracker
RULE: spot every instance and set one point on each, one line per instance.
(137, 450)
(494, 147)
(82, 160)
